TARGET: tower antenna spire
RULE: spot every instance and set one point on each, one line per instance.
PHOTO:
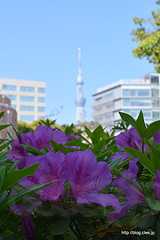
(80, 100)
(79, 57)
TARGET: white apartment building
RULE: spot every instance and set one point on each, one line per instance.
(27, 97)
(128, 96)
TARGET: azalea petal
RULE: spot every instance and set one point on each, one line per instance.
(102, 176)
(120, 156)
(156, 185)
(132, 171)
(157, 137)
(129, 138)
(132, 194)
(115, 215)
(53, 192)
(51, 169)
(104, 200)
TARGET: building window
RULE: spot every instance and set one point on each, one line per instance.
(27, 118)
(133, 113)
(9, 87)
(156, 102)
(41, 99)
(12, 97)
(41, 109)
(155, 93)
(156, 115)
(129, 93)
(147, 114)
(41, 90)
(136, 92)
(14, 106)
(155, 79)
(98, 98)
(143, 92)
(134, 102)
(41, 117)
(108, 95)
(26, 98)
(27, 108)
(27, 89)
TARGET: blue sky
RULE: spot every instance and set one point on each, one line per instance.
(39, 39)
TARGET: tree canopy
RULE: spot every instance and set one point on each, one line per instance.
(147, 36)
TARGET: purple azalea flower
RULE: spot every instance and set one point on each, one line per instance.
(157, 137)
(132, 197)
(27, 207)
(28, 227)
(129, 138)
(25, 212)
(17, 152)
(121, 155)
(60, 137)
(88, 177)
(42, 136)
(126, 184)
(132, 194)
(20, 209)
(51, 170)
(156, 185)
(39, 138)
(131, 172)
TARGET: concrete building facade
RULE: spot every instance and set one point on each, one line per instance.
(128, 96)
(27, 97)
(9, 117)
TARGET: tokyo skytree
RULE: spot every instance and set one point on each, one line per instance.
(80, 100)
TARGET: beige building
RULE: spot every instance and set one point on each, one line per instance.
(27, 97)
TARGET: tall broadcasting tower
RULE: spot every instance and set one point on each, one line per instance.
(80, 100)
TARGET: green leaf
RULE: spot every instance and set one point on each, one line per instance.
(152, 129)
(69, 129)
(97, 134)
(89, 132)
(32, 150)
(2, 114)
(140, 125)
(14, 199)
(153, 204)
(60, 226)
(15, 175)
(128, 119)
(144, 160)
(3, 126)
(4, 146)
(2, 176)
(3, 197)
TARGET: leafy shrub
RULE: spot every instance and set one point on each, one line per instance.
(95, 183)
